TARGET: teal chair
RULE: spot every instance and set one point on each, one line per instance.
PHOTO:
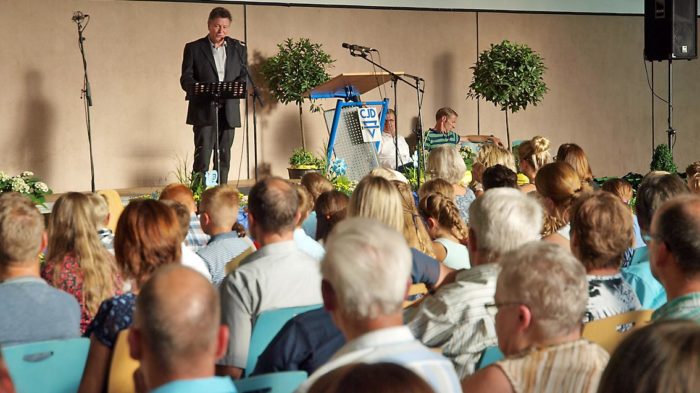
(280, 382)
(266, 327)
(49, 366)
(490, 355)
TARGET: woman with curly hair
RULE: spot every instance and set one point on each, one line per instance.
(534, 154)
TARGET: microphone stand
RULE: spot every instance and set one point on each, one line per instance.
(420, 91)
(256, 98)
(86, 95)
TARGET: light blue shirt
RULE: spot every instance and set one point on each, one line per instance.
(221, 250)
(309, 225)
(201, 385)
(649, 290)
(307, 244)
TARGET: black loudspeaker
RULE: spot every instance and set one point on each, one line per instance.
(670, 29)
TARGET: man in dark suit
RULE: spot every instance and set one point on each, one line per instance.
(214, 58)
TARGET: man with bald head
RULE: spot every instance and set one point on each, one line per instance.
(275, 276)
(674, 251)
(177, 335)
(196, 238)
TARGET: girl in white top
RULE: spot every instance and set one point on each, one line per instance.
(447, 230)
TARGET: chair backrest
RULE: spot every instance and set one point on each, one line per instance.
(114, 202)
(281, 382)
(48, 366)
(490, 355)
(610, 331)
(266, 327)
(122, 367)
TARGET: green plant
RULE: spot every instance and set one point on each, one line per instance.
(411, 174)
(662, 160)
(468, 156)
(510, 76)
(193, 180)
(26, 184)
(304, 159)
(297, 67)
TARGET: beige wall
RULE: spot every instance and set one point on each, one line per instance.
(598, 94)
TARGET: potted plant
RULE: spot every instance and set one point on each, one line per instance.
(662, 160)
(297, 67)
(510, 76)
(26, 184)
(303, 161)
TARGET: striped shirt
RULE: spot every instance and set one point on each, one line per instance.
(684, 307)
(196, 238)
(455, 317)
(222, 249)
(394, 345)
(571, 367)
(435, 138)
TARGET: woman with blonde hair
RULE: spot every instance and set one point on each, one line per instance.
(445, 162)
(436, 186)
(378, 199)
(533, 154)
(558, 185)
(76, 261)
(693, 177)
(574, 155)
(148, 236)
(413, 227)
(489, 155)
(447, 230)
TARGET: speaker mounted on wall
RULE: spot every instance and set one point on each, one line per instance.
(670, 29)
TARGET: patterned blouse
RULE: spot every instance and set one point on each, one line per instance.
(70, 279)
(463, 202)
(608, 296)
(115, 314)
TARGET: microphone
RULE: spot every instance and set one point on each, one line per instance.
(79, 16)
(358, 48)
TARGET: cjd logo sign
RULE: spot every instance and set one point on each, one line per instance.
(369, 122)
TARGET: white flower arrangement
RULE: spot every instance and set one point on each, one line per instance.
(26, 184)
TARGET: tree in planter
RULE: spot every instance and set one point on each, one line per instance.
(510, 76)
(662, 160)
(297, 67)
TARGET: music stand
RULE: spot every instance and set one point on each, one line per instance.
(216, 92)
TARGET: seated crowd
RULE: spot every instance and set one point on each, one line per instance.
(517, 260)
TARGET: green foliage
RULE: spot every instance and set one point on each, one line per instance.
(298, 66)
(662, 160)
(304, 159)
(191, 179)
(26, 184)
(411, 174)
(510, 76)
(343, 184)
(468, 156)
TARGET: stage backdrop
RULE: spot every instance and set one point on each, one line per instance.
(598, 96)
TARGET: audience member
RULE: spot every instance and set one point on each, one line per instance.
(196, 238)
(488, 156)
(148, 236)
(674, 249)
(445, 162)
(559, 186)
(76, 260)
(661, 357)
(189, 258)
(622, 189)
(275, 276)
(441, 133)
(540, 296)
(331, 208)
(692, 173)
(372, 378)
(388, 174)
(455, 317)
(316, 184)
(601, 231)
(436, 186)
(533, 155)
(366, 273)
(218, 212)
(303, 241)
(574, 155)
(655, 189)
(30, 309)
(387, 150)
(499, 176)
(447, 230)
(414, 230)
(100, 209)
(376, 198)
(177, 334)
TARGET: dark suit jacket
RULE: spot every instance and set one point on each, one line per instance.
(198, 66)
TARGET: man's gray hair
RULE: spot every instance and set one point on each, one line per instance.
(21, 228)
(369, 266)
(550, 281)
(503, 219)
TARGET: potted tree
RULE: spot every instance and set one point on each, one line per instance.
(510, 76)
(297, 67)
(662, 159)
